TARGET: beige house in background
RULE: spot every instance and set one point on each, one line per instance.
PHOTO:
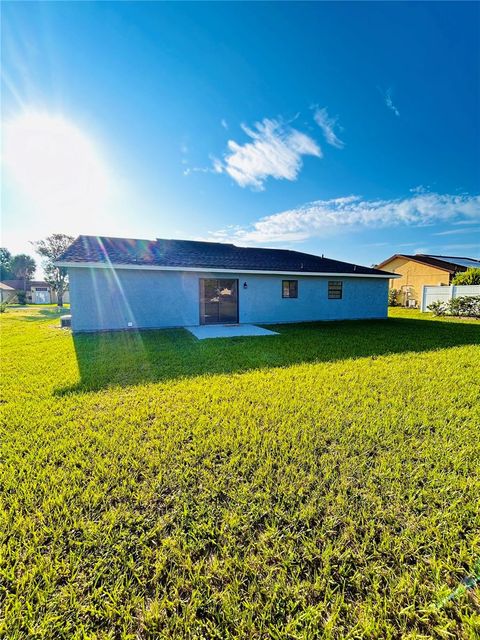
(36, 291)
(420, 270)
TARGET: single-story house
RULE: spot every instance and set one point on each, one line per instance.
(7, 293)
(419, 270)
(119, 283)
(36, 291)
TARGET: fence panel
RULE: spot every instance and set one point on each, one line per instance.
(446, 293)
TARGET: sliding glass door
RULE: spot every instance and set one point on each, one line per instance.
(218, 301)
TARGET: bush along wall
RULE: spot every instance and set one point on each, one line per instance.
(468, 306)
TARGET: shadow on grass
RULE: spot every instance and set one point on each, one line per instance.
(130, 358)
(42, 314)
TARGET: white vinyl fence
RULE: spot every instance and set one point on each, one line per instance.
(445, 293)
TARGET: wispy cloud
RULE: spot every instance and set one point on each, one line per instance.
(456, 232)
(327, 125)
(323, 216)
(224, 123)
(461, 222)
(472, 245)
(378, 244)
(389, 101)
(276, 151)
(189, 170)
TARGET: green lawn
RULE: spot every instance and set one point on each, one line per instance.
(323, 483)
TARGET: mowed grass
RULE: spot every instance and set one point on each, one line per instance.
(323, 483)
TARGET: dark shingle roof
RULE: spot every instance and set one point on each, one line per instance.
(458, 261)
(208, 255)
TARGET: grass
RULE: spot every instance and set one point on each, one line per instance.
(323, 483)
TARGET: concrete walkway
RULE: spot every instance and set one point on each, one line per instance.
(228, 331)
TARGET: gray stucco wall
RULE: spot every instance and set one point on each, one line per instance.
(106, 299)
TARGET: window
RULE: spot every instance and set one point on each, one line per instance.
(289, 288)
(335, 289)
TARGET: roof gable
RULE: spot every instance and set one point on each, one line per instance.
(6, 287)
(192, 254)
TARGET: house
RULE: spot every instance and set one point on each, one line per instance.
(119, 283)
(36, 291)
(7, 293)
(420, 270)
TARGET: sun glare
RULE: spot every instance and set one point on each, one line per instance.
(55, 166)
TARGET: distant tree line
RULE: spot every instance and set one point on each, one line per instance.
(18, 267)
(23, 266)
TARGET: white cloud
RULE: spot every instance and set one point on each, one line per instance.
(190, 170)
(455, 232)
(224, 123)
(327, 125)
(389, 102)
(461, 222)
(323, 216)
(276, 151)
(473, 245)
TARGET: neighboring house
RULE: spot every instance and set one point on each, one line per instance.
(117, 283)
(421, 270)
(37, 291)
(7, 293)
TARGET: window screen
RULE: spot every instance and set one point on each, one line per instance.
(335, 288)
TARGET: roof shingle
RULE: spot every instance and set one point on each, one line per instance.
(196, 254)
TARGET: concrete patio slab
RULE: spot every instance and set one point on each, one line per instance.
(229, 331)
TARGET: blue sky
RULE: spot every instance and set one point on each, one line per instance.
(347, 129)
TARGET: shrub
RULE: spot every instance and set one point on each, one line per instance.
(3, 307)
(438, 308)
(470, 276)
(21, 297)
(468, 306)
(392, 297)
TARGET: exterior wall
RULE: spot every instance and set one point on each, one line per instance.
(103, 299)
(7, 295)
(414, 276)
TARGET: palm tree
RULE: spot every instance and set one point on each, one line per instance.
(23, 268)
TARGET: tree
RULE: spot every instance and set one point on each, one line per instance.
(51, 249)
(23, 268)
(5, 264)
(470, 276)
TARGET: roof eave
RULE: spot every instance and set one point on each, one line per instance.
(110, 265)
